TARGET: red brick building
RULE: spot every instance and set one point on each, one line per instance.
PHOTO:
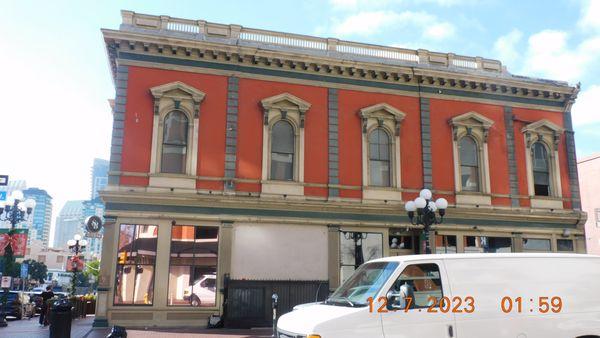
(246, 161)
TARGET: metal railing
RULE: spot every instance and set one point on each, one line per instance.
(268, 38)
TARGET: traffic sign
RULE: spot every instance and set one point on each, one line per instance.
(6, 282)
(2, 195)
(24, 270)
(3, 180)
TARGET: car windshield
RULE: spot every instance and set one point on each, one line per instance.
(364, 283)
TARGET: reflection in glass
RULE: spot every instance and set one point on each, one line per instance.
(541, 169)
(564, 245)
(423, 280)
(469, 164)
(357, 248)
(445, 244)
(282, 151)
(174, 147)
(136, 258)
(379, 158)
(364, 283)
(193, 266)
(476, 244)
(535, 244)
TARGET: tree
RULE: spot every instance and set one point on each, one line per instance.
(92, 269)
(37, 270)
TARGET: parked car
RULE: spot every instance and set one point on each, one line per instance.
(203, 291)
(18, 305)
(460, 296)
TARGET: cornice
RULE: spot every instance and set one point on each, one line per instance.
(253, 203)
(427, 80)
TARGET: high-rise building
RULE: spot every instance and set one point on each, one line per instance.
(68, 223)
(41, 217)
(99, 176)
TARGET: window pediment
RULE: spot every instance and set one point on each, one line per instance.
(171, 95)
(542, 130)
(467, 123)
(381, 112)
(286, 106)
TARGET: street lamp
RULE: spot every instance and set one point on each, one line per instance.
(76, 245)
(426, 216)
(14, 211)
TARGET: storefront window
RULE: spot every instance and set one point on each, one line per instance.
(193, 267)
(401, 242)
(136, 259)
(564, 245)
(536, 244)
(445, 244)
(357, 248)
(476, 244)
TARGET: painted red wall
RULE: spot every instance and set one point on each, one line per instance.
(139, 117)
(441, 111)
(211, 147)
(250, 124)
(523, 117)
(350, 138)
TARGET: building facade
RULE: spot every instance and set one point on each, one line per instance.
(246, 162)
(68, 223)
(99, 176)
(589, 171)
(41, 218)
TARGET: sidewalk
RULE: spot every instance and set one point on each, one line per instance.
(185, 333)
(82, 328)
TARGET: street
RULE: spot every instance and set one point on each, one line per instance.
(82, 328)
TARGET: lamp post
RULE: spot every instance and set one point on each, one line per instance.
(426, 213)
(14, 210)
(76, 245)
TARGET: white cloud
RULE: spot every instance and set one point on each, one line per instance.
(586, 109)
(365, 23)
(352, 5)
(505, 46)
(549, 55)
(590, 15)
(369, 23)
(439, 31)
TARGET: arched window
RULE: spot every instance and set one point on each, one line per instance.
(469, 164)
(174, 145)
(541, 169)
(379, 158)
(282, 151)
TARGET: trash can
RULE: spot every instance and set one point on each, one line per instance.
(60, 319)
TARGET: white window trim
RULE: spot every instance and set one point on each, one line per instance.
(476, 126)
(549, 134)
(292, 109)
(389, 118)
(167, 98)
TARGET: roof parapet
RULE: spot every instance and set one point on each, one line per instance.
(238, 35)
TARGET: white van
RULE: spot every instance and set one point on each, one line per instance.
(459, 296)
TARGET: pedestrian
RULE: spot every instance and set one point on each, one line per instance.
(46, 295)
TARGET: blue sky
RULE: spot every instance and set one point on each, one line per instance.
(56, 80)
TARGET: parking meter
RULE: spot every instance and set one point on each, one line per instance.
(274, 299)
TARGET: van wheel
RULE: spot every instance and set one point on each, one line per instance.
(195, 301)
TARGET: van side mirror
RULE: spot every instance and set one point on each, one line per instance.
(400, 300)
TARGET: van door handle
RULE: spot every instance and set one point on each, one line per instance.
(450, 331)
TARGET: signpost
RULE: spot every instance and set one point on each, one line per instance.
(6, 282)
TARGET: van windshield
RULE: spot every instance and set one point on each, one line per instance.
(364, 283)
